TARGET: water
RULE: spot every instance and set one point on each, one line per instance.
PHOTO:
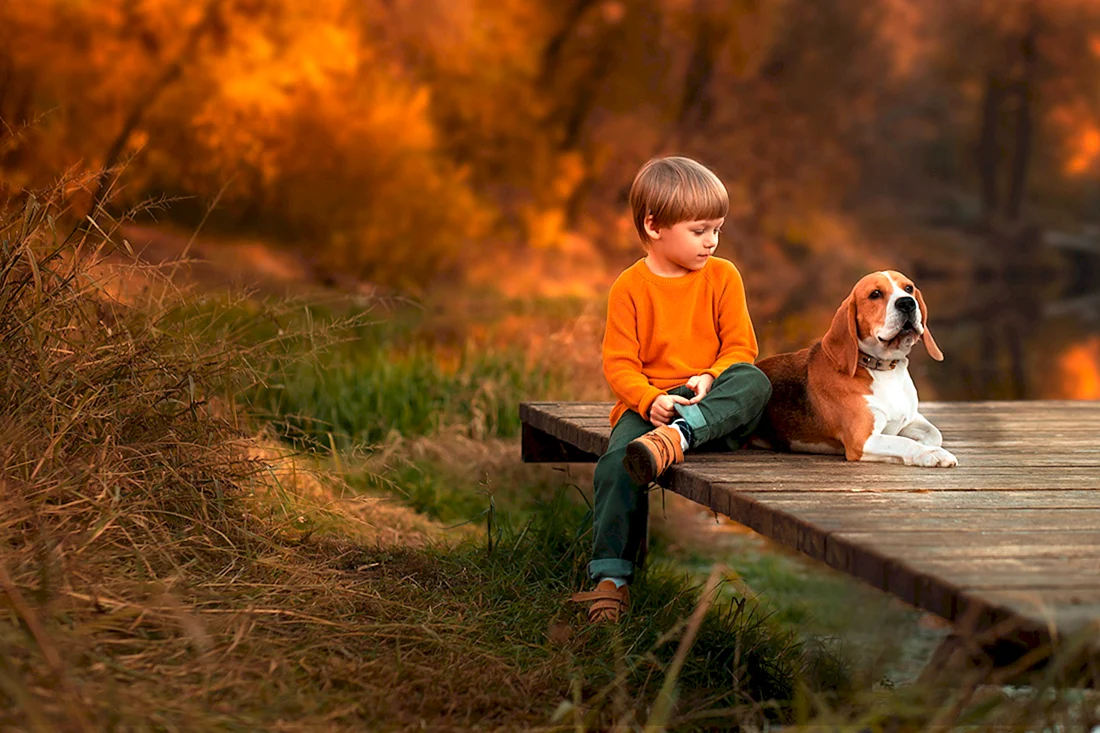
(1026, 326)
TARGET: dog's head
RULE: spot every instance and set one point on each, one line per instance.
(883, 316)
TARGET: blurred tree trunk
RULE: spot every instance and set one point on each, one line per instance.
(105, 179)
(696, 102)
(1021, 151)
(15, 113)
(988, 152)
(210, 21)
(1019, 92)
(551, 55)
(584, 101)
(1013, 241)
(571, 140)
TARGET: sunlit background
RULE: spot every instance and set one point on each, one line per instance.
(473, 156)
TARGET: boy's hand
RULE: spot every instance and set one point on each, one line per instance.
(661, 412)
(700, 385)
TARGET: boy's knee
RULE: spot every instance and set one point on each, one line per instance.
(754, 382)
(760, 382)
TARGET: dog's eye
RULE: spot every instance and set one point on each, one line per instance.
(875, 294)
(909, 289)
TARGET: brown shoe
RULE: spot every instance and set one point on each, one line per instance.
(608, 602)
(648, 456)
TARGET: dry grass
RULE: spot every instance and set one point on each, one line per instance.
(150, 548)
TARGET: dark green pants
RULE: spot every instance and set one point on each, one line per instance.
(722, 420)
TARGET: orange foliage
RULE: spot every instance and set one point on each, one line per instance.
(1086, 149)
(489, 141)
(1079, 367)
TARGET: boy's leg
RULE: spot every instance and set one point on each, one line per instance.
(732, 408)
(620, 506)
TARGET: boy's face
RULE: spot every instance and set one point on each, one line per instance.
(681, 248)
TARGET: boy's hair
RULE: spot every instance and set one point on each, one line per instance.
(676, 189)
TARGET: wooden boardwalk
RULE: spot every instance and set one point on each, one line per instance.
(1010, 539)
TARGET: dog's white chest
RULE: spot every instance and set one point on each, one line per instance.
(893, 398)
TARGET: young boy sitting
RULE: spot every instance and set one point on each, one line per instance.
(678, 353)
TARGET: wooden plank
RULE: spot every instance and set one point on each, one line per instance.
(824, 521)
(992, 454)
(1064, 612)
(586, 440)
(537, 446)
(980, 543)
(1010, 573)
(907, 502)
(970, 458)
(1011, 535)
(568, 409)
(943, 479)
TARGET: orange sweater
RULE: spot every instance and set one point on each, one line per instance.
(661, 331)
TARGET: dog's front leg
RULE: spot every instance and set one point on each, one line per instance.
(923, 432)
(897, 448)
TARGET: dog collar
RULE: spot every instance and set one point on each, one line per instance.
(876, 364)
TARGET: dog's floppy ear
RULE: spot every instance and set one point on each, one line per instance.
(841, 342)
(929, 342)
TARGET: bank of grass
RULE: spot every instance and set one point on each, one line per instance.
(365, 394)
(385, 379)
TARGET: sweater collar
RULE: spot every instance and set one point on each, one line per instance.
(649, 276)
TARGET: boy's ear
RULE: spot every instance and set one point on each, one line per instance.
(650, 231)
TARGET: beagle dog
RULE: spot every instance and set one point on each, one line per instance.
(850, 392)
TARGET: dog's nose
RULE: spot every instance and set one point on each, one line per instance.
(906, 304)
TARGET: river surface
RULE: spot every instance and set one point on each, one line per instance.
(1030, 330)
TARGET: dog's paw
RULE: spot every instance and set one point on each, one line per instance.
(935, 458)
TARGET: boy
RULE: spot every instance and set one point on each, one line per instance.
(678, 353)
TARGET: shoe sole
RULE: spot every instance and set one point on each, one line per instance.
(640, 465)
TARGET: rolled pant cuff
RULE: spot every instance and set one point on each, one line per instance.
(613, 567)
(693, 416)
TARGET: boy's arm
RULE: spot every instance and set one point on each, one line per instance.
(735, 331)
(622, 366)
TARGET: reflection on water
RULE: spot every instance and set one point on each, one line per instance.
(1027, 327)
(1079, 370)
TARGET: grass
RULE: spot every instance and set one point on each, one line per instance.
(382, 379)
(367, 393)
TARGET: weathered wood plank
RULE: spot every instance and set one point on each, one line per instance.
(537, 446)
(905, 503)
(1011, 573)
(980, 542)
(1064, 612)
(823, 521)
(1011, 535)
(946, 479)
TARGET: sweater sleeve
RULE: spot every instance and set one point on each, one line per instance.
(735, 331)
(622, 365)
